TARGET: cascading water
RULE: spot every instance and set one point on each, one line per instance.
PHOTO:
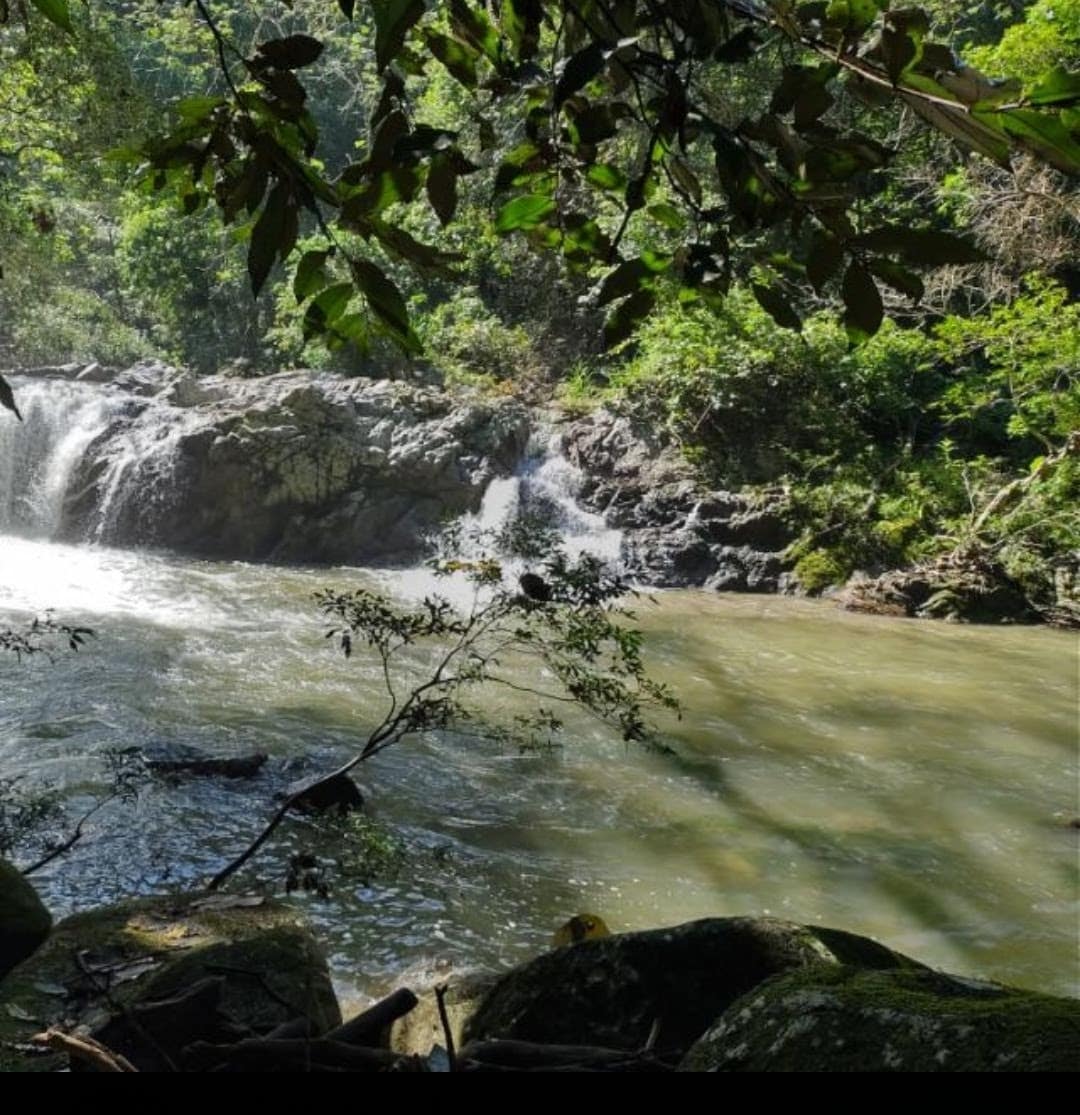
(40, 456)
(546, 487)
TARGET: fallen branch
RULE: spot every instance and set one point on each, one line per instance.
(84, 1049)
(367, 1028)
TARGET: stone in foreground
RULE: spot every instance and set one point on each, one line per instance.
(845, 1019)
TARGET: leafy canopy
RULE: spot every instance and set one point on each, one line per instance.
(615, 133)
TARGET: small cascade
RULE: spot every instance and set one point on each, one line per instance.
(546, 488)
(39, 457)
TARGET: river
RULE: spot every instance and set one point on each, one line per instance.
(909, 780)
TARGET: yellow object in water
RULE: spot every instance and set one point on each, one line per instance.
(581, 927)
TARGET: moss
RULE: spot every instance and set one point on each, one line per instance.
(152, 948)
(827, 1019)
(818, 570)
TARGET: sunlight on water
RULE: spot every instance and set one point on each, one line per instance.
(910, 780)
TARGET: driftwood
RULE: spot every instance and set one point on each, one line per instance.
(368, 1028)
(85, 1049)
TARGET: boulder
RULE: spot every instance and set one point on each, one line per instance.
(847, 1019)
(296, 466)
(339, 793)
(24, 921)
(678, 531)
(235, 962)
(610, 991)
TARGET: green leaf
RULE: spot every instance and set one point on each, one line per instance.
(775, 304)
(456, 57)
(606, 177)
(863, 310)
(627, 316)
(630, 276)
(1059, 87)
(1044, 135)
(667, 215)
(393, 20)
(310, 274)
(7, 398)
(524, 212)
(385, 301)
(290, 53)
(56, 11)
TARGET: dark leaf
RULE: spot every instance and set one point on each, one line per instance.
(267, 236)
(863, 310)
(898, 277)
(773, 301)
(385, 301)
(826, 255)
(921, 247)
(627, 316)
(393, 20)
(347, 7)
(459, 59)
(579, 70)
(442, 188)
(290, 53)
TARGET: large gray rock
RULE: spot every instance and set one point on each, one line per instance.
(24, 921)
(677, 530)
(844, 1019)
(610, 991)
(294, 467)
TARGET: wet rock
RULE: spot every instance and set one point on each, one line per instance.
(340, 794)
(290, 467)
(24, 921)
(610, 991)
(677, 531)
(176, 759)
(100, 968)
(846, 1019)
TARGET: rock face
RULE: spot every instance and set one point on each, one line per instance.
(610, 991)
(252, 962)
(963, 587)
(848, 1019)
(24, 921)
(677, 531)
(289, 467)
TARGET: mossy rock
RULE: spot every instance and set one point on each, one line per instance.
(610, 991)
(24, 921)
(103, 961)
(844, 1019)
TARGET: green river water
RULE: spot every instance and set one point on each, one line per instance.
(910, 780)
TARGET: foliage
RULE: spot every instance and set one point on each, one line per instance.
(42, 635)
(568, 622)
(890, 452)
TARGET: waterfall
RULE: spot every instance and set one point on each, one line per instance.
(40, 455)
(546, 487)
